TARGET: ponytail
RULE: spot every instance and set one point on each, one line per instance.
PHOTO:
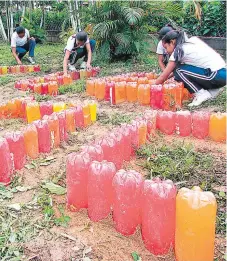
(179, 36)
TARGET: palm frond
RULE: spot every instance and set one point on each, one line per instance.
(132, 16)
(122, 39)
(105, 29)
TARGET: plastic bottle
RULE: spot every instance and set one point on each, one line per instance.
(108, 87)
(127, 188)
(166, 122)
(142, 80)
(62, 126)
(131, 91)
(127, 147)
(13, 69)
(17, 148)
(24, 85)
(150, 116)
(77, 166)
(142, 131)
(94, 150)
(44, 137)
(59, 106)
(90, 87)
(156, 95)
(31, 141)
(60, 80)
(46, 108)
(183, 123)
(100, 190)
(112, 95)
(83, 74)
(30, 68)
(200, 124)
(100, 89)
(120, 92)
(12, 111)
(53, 124)
(79, 117)
(4, 70)
(33, 112)
(67, 79)
(195, 225)
(169, 97)
(158, 215)
(119, 147)
(217, 127)
(36, 68)
(144, 94)
(6, 165)
(134, 138)
(38, 88)
(18, 85)
(53, 88)
(93, 110)
(70, 120)
(109, 148)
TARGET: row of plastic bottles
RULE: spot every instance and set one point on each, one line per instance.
(41, 136)
(19, 69)
(168, 96)
(165, 217)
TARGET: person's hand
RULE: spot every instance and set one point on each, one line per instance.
(19, 62)
(89, 66)
(32, 38)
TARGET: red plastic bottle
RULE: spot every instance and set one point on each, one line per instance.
(119, 145)
(112, 95)
(79, 117)
(53, 123)
(36, 68)
(62, 126)
(183, 123)
(108, 145)
(46, 108)
(158, 215)
(44, 136)
(108, 87)
(17, 148)
(44, 88)
(94, 150)
(31, 86)
(127, 148)
(18, 85)
(77, 166)
(150, 117)
(6, 165)
(127, 187)
(200, 124)
(166, 122)
(134, 138)
(60, 80)
(156, 98)
(100, 190)
(70, 120)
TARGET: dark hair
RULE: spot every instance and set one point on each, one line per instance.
(20, 30)
(167, 28)
(179, 36)
(81, 36)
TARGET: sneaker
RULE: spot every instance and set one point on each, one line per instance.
(71, 67)
(215, 92)
(30, 59)
(200, 97)
(83, 65)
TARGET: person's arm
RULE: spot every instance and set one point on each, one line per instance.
(166, 73)
(89, 54)
(160, 62)
(15, 55)
(65, 61)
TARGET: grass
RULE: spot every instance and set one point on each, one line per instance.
(76, 87)
(115, 119)
(187, 167)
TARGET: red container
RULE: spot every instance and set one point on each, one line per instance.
(44, 88)
(31, 86)
(108, 87)
(127, 148)
(44, 137)
(22, 68)
(75, 75)
(127, 187)
(183, 123)
(166, 122)
(62, 126)
(134, 138)
(17, 85)
(119, 144)
(100, 190)
(156, 97)
(17, 148)
(108, 147)
(70, 120)
(94, 150)
(53, 123)
(60, 79)
(158, 215)
(200, 124)
(112, 95)
(77, 166)
(46, 108)
(150, 117)
(36, 68)
(79, 117)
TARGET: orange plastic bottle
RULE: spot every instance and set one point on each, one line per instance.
(195, 225)
(169, 97)
(67, 79)
(4, 70)
(70, 120)
(131, 91)
(142, 130)
(59, 106)
(83, 74)
(87, 114)
(31, 141)
(53, 123)
(12, 111)
(24, 85)
(30, 68)
(38, 88)
(53, 88)
(142, 80)
(120, 92)
(144, 94)
(217, 127)
(90, 87)
(100, 89)
(150, 75)
(33, 112)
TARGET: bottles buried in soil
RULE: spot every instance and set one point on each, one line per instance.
(32, 112)
(70, 120)
(156, 96)
(46, 108)
(158, 215)
(217, 127)
(77, 166)
(93, 110)
(166, 122)
(94, 151)
(120, 92)
(79, 117)
(100, 89)
(90, 87)
(200, 124)
(100, 191)
(183, 123)
(127, 186)
(62, 126)
(44, 136)
(131, 91)
(59, 106)
(53, 124)
(195, 225)
(144, 94)
(31, 141)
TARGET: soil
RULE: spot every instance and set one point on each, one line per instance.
(83, 239)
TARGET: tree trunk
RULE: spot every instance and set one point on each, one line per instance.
(23, 12)
(78, 16)
(11, 17)
(73, 22)
(2, 30)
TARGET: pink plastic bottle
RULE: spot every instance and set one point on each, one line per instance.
(183, 123)
(62, 126)
(150, 117)
(127, 187)
(166, 122)
(6, 165)
(200, 124)
(134, 138)
(17, 148)
(79, 117)
(44, 136)
(119, 145)
(158, 215)
(108, 87)
(108, 145)
(46, 108)
(127, 147)
(94, 150)
(100, 190)
(156, 97)
(44, 88)
(77, 166)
